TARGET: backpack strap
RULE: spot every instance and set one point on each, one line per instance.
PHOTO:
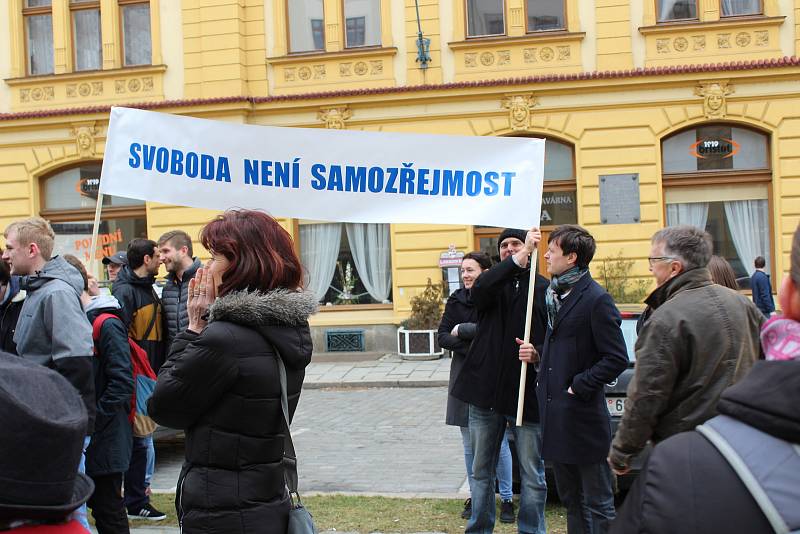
(769, 468)
(97, 324)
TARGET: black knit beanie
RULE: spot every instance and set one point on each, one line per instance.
(511, 232)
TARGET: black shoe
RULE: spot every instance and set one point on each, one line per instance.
(507, 512)
(466, 513)
(147, 512)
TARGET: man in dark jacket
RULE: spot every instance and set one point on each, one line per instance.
(583, 350)
(762, 288)
(175, 252)
(11, 298)
(687, 486)
(489, 382)
(109, 453)
(142, 314)
(699, 339)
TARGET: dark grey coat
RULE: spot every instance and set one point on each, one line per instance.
(173, 300)
(458, 311)
(222, 387)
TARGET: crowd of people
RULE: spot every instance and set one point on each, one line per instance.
(697, 356)
(230, 342)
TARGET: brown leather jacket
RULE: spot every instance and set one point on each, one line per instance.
(700, 338)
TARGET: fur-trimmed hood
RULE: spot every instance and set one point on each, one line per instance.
(254, 308)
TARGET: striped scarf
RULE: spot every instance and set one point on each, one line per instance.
(559, 285)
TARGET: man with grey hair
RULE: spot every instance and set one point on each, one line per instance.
(699, 339)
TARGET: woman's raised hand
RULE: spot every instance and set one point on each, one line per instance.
(201, 295)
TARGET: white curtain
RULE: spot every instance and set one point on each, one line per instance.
(86, 27)
(40, 44)
(371, 250)
(740, 7)
(136, 30)
(748, 221)
(319, 250)
(695, 214)
(676, 9)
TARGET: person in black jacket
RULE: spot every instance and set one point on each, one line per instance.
(456, 331)
(583, 350)
(109, 452)
(143, 316)
(489, 382)
(221, 381)
(11, 299)
(175, 252)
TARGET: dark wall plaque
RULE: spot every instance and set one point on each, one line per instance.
(619, 199)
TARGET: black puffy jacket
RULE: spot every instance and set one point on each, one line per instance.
(110, 449)
(173, 299)
(490, 376)
(222, 387)
(458, 311)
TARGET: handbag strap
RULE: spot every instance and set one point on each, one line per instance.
(289, 455)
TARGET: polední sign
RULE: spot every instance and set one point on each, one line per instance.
(333, 175)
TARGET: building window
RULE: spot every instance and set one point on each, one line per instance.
(306, 32)
(736, 8)
(137, 43)
(716, 177)
(347, 263)
(559, 200)
(362, 23)
(485, 18)
(545, 15)
(671, 10)
(69, 198)
(87, 43)
(38, 17)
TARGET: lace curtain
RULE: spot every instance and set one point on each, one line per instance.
(369, 244)
(86, 28)
(748, 222)
(677, 9)
(740, 7)
(319, 250)
(695, 214)
(136, 31)
(40, 44)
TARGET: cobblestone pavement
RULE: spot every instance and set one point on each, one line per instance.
(373, 441)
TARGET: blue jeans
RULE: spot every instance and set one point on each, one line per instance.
(505, 474)
(81, 515)
(151, 461)
(486, 429)
(586, 490)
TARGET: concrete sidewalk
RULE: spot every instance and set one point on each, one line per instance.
(387, 371)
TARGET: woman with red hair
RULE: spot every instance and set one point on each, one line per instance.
(221, 383)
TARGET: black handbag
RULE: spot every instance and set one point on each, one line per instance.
(300, 520)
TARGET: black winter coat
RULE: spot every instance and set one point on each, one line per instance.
(110, 449)
(458, 311)
(584, 350)
(173, 299)
(490, 377)
(139, 306)
(686, 486)
(9, 314)
(222, 387)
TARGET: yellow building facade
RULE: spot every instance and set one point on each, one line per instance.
(656, 112)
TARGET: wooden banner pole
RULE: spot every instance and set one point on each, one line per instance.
(523, 374)
(95, 230)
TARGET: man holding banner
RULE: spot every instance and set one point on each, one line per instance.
(489, 383)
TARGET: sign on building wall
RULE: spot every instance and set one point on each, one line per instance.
(619, 199)
(320, 174)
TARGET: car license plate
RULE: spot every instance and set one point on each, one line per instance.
(616, 405)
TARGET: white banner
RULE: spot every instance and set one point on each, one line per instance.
(327, 175)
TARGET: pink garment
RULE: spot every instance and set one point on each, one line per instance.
(780, 338)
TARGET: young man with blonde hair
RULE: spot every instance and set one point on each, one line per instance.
(175, 252)
(52, 330)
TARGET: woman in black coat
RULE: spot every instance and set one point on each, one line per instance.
(456, 331)
(221, 381)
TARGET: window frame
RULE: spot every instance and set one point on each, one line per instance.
(539, 32)
(672, 21)
(467, 36)
(121, 33)
(84, 6)
(722, 178)
(344, 29)
(288, 26)
(760, 12)
(33, 11)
